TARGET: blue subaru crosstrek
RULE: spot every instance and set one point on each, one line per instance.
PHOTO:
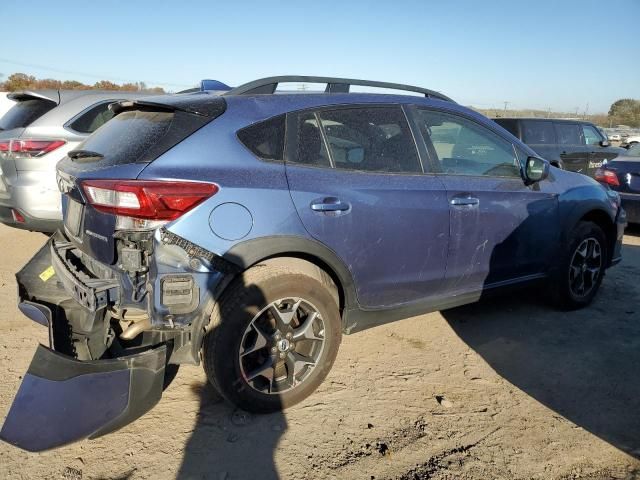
(249, 230)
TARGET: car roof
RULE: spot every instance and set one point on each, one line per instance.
(72, 102)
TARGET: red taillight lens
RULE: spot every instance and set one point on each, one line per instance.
(29, 147)
(607, 176)
(148, 199)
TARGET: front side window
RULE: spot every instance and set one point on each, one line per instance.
(568, 133)
(591, 135)
(464, 147)
(538, 133)
(371, 139)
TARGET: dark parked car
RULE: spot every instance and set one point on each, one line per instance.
(623, 176)
(250, 230)
(569, 144)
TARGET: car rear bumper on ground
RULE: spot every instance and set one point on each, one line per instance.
(63, 399)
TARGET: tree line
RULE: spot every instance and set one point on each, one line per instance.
(22, 81)
(625, 111)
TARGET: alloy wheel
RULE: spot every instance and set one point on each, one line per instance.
(585, 267)
(282, 345)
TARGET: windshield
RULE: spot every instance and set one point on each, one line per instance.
(25, 112)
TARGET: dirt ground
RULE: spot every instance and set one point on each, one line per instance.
(504, 389)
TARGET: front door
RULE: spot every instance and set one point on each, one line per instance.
(500, 229)
(358, 186)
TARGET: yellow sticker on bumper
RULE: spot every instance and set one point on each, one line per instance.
(47, 274)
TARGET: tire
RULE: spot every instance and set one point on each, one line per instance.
(571, 274)
(248, 334)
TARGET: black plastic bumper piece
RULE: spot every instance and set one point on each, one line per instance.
(63, 400)
(91, 293)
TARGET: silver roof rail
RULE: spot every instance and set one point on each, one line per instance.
(268, 86)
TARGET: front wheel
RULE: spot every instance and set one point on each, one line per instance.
(581, 268)
(275, 336)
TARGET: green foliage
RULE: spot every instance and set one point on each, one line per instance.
(625, 111)
(22, 81)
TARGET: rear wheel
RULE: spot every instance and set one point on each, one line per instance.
(275, 335)
(582, 267)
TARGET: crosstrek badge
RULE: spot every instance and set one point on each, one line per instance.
(47, 274)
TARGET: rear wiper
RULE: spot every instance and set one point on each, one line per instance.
(82, 154)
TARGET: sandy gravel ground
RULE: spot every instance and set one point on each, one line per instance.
(504, 389)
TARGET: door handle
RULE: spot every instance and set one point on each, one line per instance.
(329, 204)
(464, 201)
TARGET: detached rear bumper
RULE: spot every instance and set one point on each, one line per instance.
(63, 399)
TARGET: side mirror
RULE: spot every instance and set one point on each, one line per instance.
(605, 143)
(536, 169)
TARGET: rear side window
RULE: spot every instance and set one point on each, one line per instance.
(265, 139)
(311, 149)
(25, 112)
(373, 139)
(129, 135)
(92, 119)
(538, 133)
(509, 125)
(568, 133)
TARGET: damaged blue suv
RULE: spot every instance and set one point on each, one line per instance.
(249, 230)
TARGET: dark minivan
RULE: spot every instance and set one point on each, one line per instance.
(570, 144)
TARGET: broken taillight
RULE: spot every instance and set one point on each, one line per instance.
(146, 199)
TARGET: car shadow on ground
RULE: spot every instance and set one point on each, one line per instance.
(227, 442)
(584, 364)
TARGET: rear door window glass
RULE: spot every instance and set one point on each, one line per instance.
(128, 135)
(373, 139)
(92, 119)
(568, 133)
(311, 149)
(464, 147)
(265, 139)
(591, 135)
(538, 133)
(24, 113)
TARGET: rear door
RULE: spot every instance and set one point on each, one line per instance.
(500, 229)
(357, 183)
(573, 151)
(541, 137)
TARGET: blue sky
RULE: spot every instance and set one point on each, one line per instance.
(562, 54)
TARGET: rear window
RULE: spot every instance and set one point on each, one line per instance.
(129, 135)
(25, 112)
(265, 139)
(538, 133)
